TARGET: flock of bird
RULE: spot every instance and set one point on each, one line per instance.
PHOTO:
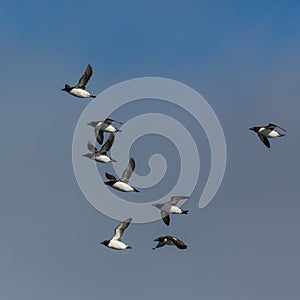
(122, 184)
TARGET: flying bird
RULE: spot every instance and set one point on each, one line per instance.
(103, 126)
(265, 132)
(79, 89)
(171, 241)
(170, 207)
(122, 184)
(101, 155)
(116, 242)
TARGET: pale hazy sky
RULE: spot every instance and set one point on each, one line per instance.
(242, 57)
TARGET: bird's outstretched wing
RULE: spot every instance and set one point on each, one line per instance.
(175, 199)
(119, 230)
(178, 243)
(273, 126)
(99, 136)
(165, 217)
(89, 155)
(160, 241)
(110, 121)
(105, 148)
(91, 147)
(85, 77)
(128, 171)
(110, 177)
(264, 140)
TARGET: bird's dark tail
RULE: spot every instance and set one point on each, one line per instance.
(281, 134)
(184, 212)
(92, 96)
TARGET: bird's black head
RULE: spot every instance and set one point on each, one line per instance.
(105, 243)
(110, 183)
(254, 128)
(67, 88)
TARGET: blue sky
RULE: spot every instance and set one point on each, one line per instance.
(242, 57)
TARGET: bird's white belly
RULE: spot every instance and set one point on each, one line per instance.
(107, 128)
(102, 158)
(273, 134)
(80, 93)
(175, 210)
(117, 245)
(122, 186)
(268, 133)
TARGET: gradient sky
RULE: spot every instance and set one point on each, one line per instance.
(242, 56)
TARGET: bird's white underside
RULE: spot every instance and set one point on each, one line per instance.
(268, 133)
(107, 128)
(80, 93)
(122, 186)
(102, 158)
(117, 245)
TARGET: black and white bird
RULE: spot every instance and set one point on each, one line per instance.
(101, 155)
(122, 184)
(170, 207)
(268, 131)
(116, 242)
(171, 241)
(79, 89)
(104, 126)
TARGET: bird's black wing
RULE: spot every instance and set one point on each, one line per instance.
(99, 137)
(273, 126)
(160, 241)
(128, 171)
(165, 217)
(178, 243)
(119, 230)
(105, 148)
(91, 147)
(110, 121)
(110, 177)
(175, 199)
(264, 140)
(85, 77)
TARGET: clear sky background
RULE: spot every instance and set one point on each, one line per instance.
(242, 56)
